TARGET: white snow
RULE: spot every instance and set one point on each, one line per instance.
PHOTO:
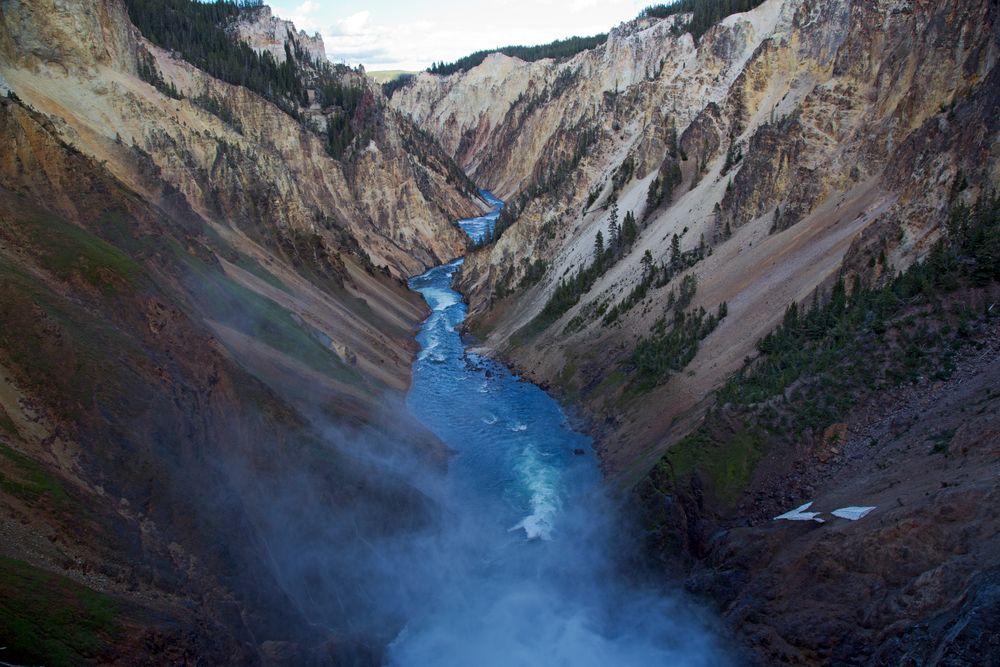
(852, 513)
(800, 514)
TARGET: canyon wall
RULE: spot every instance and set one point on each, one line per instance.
(851, 121)
(800, 153)
(206, 338)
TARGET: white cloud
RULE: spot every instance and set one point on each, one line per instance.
(384, 34)
(355, 24)
(304, 16)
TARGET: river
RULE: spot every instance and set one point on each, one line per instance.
(524, 567)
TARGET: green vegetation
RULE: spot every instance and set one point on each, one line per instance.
(150, 73)
(49, 619)
(669, 350)
(566, 382)
(7, 424)
(568, 292)
(342, 128)
(668, 177)
(30, 481)
(267, 322)
(392, 80)
(533, 272)
(661, 188)
(549, 181)
(822, 361)
(69, 251)
(219, 108)
(658, 275)
(941, 440)
(875, 337)
(728, 468)
(197, 31)
(734, 155)
(705, 13)
(254, 267)
(402, 81)
(60, 352)
(561, 49)
(388, 75)
(623, 174)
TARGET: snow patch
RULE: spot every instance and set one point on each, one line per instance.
(800, 514)
(852, 513)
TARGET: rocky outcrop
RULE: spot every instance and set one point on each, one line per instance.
(265, 32)
(204, 338)
(806, 116)
(802, 142)
(215, 161)
(912, 582)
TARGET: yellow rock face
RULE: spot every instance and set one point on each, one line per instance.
(845, 117)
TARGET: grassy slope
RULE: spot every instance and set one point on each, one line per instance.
(49, 619)
(103, 302)
(819, 364)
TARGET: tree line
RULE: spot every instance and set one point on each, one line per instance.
(561, 49)
(668, 351)
(197, 32)
(845, 331)
(705, 13)
(658, 275)
(567, 293)
(401, 81)
(827, 357)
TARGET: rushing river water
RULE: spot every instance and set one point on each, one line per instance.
(525, 563)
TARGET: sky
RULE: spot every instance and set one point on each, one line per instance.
(400, 34)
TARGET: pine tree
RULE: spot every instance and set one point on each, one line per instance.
(675, 252)
(647, 264)
(629, 231)
(613, 230)
(598, 248)
(653, 196)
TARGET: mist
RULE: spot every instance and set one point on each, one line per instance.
(499, 547)
(510, 554)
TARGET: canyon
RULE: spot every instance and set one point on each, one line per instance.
(208, 441)
(792, 148)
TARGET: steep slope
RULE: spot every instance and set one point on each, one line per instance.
(671, 204)
(202, 356)
(234, 142)
(854, 119)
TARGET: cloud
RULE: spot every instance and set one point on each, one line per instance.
(358, 39)
(304, 16)
(406, 36)
(354, 25)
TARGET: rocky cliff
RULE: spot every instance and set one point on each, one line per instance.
(213, 157)
(265, 32)
(814, 117)
(802, 150)
(205, 338)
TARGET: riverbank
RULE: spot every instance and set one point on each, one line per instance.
(524, 565)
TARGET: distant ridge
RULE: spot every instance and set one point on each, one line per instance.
(386, 75)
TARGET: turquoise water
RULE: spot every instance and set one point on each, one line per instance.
(480, 228)
(523, 567)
